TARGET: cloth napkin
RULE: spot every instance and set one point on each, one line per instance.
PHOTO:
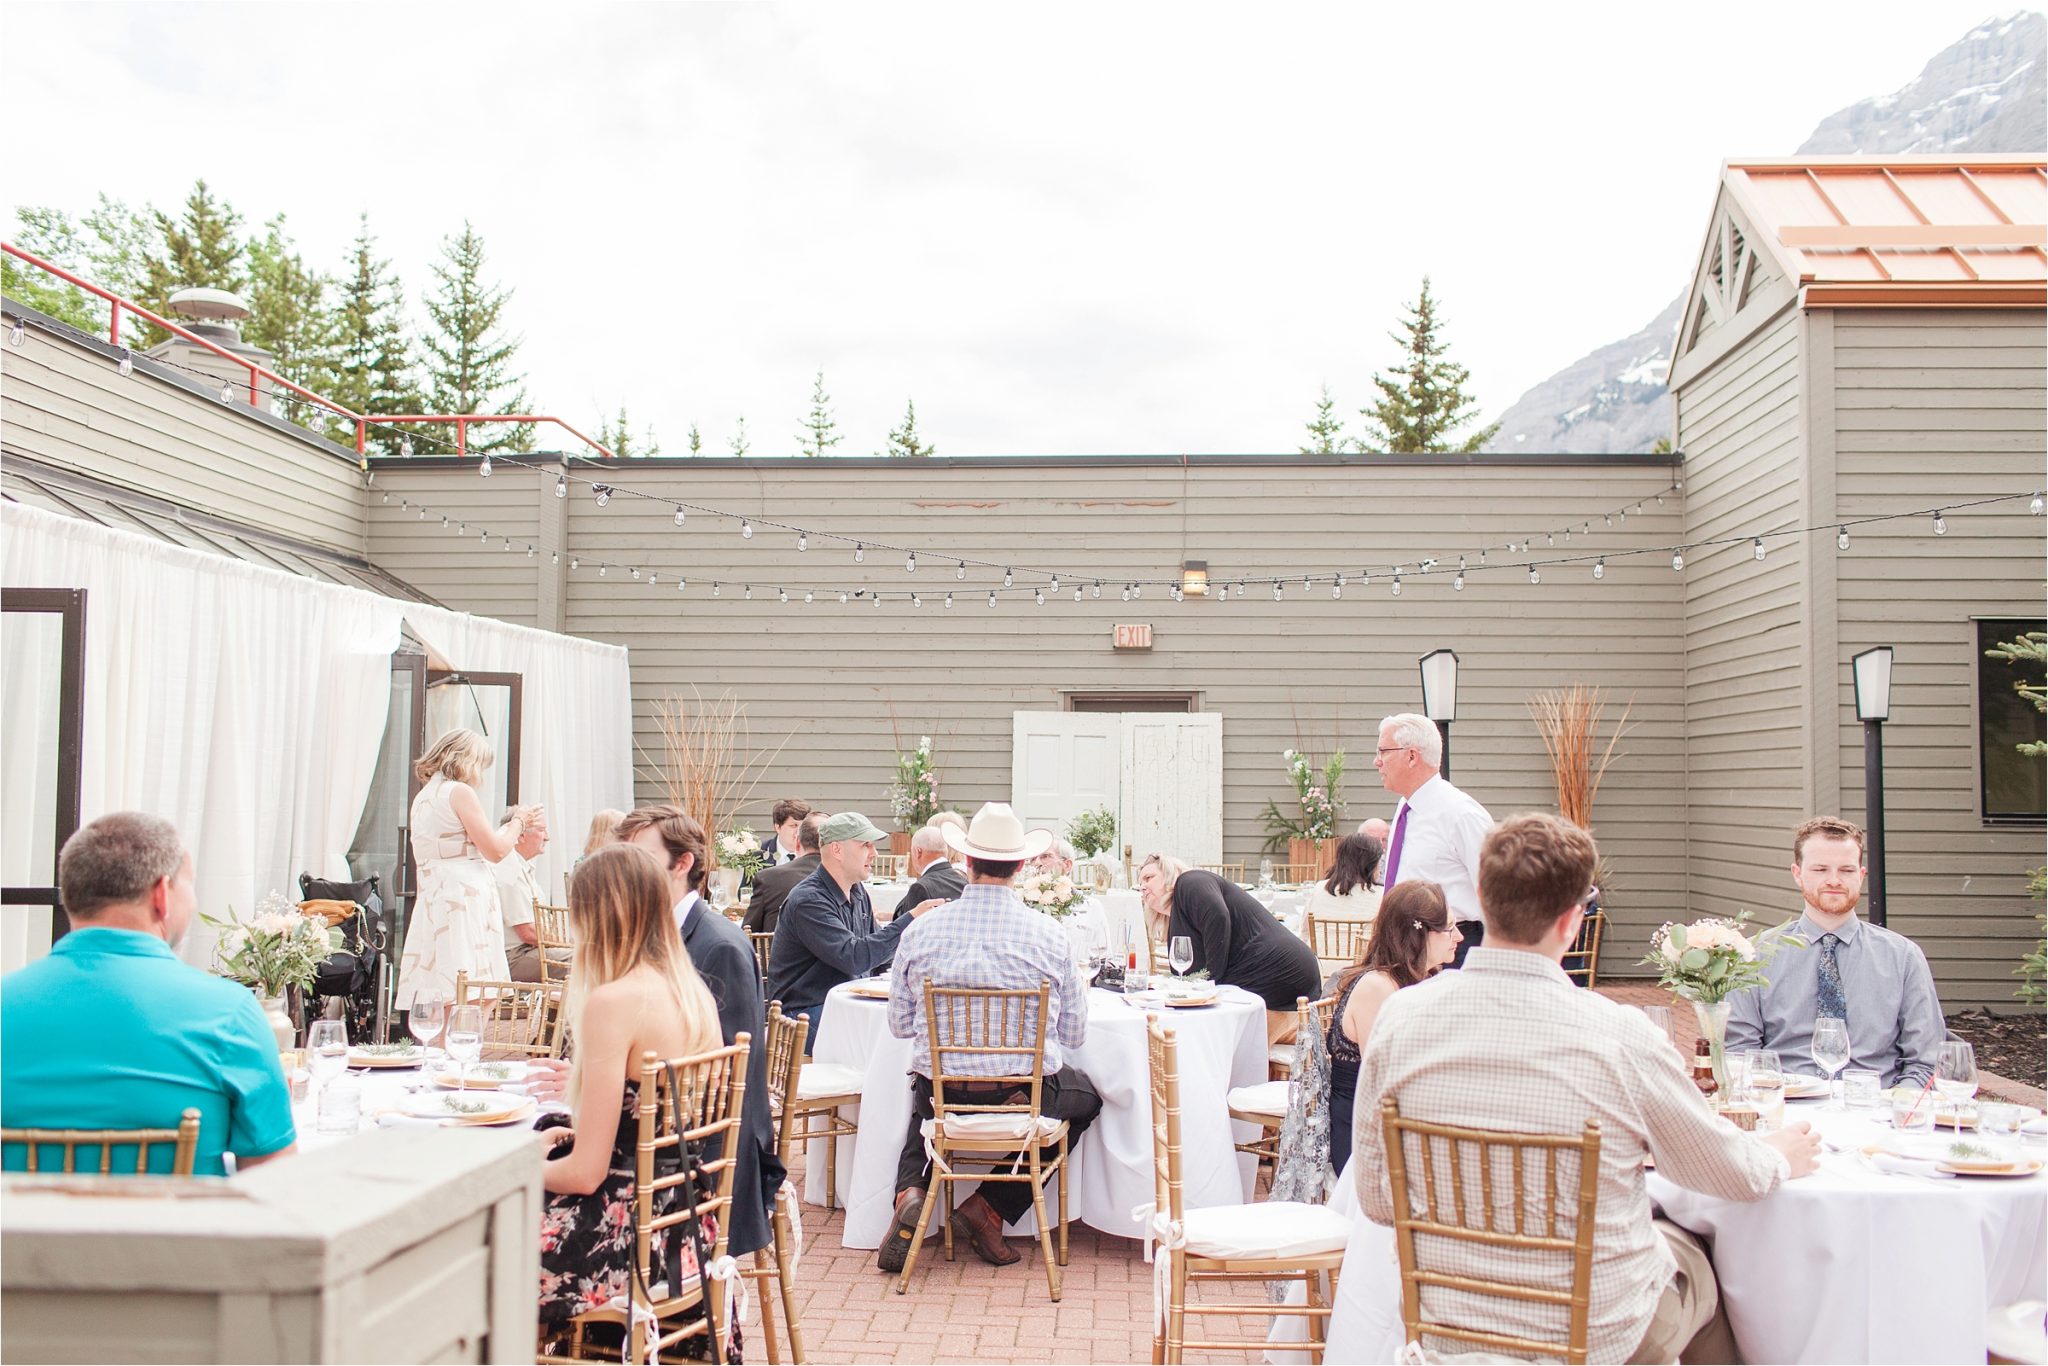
(1907, 1166)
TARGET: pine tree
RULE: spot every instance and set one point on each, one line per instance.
(1424, 402)
(468, 357)
(904, 440)
(203, 247)
(739, 437)
(289, 317)
(819, 433)
(1327, 431)
(617, 437)
(696, 441)
(373, 367)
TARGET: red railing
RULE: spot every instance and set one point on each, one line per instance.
(362, 422)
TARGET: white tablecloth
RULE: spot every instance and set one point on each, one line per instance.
(1852, 1264)
(883, 896)
(1365, 1321)
(384, 1092)
(1220, 1047)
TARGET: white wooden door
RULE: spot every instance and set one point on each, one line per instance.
(1172, 784)
(1063, 763)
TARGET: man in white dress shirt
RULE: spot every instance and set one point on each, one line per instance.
(1437, 829)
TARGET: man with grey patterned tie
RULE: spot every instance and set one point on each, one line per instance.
(1851, 970)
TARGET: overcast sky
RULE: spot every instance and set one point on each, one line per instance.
(1081, 228)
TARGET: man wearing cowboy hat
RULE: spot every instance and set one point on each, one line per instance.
(987, 938)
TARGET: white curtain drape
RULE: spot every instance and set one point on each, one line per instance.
(576, 722)
(244, 704)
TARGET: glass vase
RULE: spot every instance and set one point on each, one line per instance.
(1713, 1022)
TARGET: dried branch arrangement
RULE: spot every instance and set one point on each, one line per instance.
(1569, 722)
(708, 765)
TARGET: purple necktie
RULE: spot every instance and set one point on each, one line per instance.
(1394, 845)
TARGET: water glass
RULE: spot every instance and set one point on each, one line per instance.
(327, 1049)
(424, 1021)
(1265, 872)
(465, 1039)
(1860, 1088)
(1955, 1072)
(1912, 1110)
(340, 1108)
(1830, 1049)
(1180, 954)
(1998, 1122)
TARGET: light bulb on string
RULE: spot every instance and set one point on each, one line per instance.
(1600, 569)
(949, 602)
(19, 334)
(600, 570)
(1223, 592)
(878, 602)
(423, 514)
(1608, 518)
(1304, 583)
(1137, 590)
(1038, 595)
(575, 562)
(680, 516)
(842, 597)
(227, 390)
(653, 578)
(484, 469)
(916, 600)
(960, 570)
(554, 557)
(444, 521)
(748, 593)
(1534, 577)
(1621, 514)
(910, 563)
(127, 365)
(782, 595)
(991, 597)
(746, 530)
(1077, 592)
(1677, 560)
(1127, 592)
(803, 542)
(809, 597)
(1174, 593)
(860, 552)
(529, 552)
(1458, 582)
(604, 494)
(1841, 538)
(714, 589)
(1337, 589)
(485, 537)
(1756, 548)
(387, 499)
(1940, 524)
(1008, 578)
(1054, 586)
(681, 583)
(1397, 585)
(1276, 590)
(1096, 591)
(2036, 506)
(561, 480)
(1660, 500)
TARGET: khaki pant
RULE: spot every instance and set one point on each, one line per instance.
(523, 960)
(1688, 1324)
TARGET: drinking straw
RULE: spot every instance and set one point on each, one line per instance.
(1925, 1087)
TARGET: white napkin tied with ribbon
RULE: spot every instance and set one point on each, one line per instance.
(1171, 1236)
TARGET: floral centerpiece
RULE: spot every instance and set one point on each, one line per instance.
(279, 949)
(1092, 832)
(1315, 792)
(740, 849)
(1049, 889)
(1708, 961)
(914, 796)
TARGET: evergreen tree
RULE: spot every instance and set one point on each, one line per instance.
(819, 432)
(373, 369)
(696, 441)
(202, 247)
(617, 437)
(904, 440)
(289, 316)
(468, 356)
(739, 437)
(1327, 431)
(1424, 401)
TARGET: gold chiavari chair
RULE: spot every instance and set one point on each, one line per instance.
(1093, 876)
(764, 946)
(1265, 1103)
(1279, 1240)
(519, 1019)
(1337, 940)
(1461, 1221)
(551, 937)
(1582, 960)
(1004, 1139)
(184, 1138)
(812, 1102)
(774, 1269)
(1296, 873)
(710, 1089)
(1232, 871)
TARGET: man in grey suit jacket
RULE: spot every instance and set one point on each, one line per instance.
(936, 878)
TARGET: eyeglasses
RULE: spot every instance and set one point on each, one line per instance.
(1392, 749)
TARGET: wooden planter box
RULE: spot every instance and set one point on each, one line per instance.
(899, 842)
(1315, 856)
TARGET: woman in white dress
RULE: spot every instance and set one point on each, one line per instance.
(1352, 891)
(457, 922)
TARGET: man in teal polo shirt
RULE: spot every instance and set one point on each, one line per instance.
(114, 1031)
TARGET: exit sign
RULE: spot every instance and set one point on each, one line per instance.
(1136, 637)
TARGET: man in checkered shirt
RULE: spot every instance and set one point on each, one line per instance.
(1510, 1044)
(987, 938)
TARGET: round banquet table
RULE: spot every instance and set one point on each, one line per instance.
(1852, 1264)
(883, 896)
(1221, 1046)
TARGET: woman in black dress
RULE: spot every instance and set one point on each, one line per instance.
(1236, 940)
(1412, 939)
(632, 990)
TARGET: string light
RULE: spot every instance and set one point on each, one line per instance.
(748, 593)
(1174, 593)
(1841, 538)
(1096, 591)
(1077, 592)
(679, 517)
(714, 588)
(485, 468)
(405, 450)
(227, 390)
(1127, 592)
(561, 484)
(910, 563)
(1276, 590)
(653, 578)
(803, 542)
(949, 602)
(575, 562)
(878, 602)
(809, 597)
(1054, 586)
(1756, 549)
(1137, 590)
(960, 570)
(2035, 506)
(860, 552)
(604, 494)
(1008, 578)
(1600, 569)
(554, 557)
(991, 597)
(746, 530)
(127, 365)
(601, 568)
(1397, 585)
(20, 332)
(1337, 589)
(842, 597)
(1677, 560)
(1534, 577)
(636, 574)
(1038, 596)
(916, 600)
(782, 595)
(681, 583)
(1940, 524)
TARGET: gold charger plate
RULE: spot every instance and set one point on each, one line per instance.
(435, 1105)
(878, 991)
(1805, 1088)
(412, 1059)
(1189, 1002)
(2024, 1167)
(478, 1080)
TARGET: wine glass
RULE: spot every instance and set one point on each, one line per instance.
(1265, 872)
(327, 1050)
(424, 1021)
(465, 1040)
(1955, 1073)
(1831, 1053)
(1180, 954)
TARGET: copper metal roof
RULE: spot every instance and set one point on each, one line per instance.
(1902, 231)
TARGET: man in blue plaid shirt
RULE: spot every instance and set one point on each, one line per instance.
(986, 938)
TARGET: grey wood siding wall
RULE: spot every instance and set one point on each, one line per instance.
(1934, 406)
(1738, 425)
(64, 403)
(836, 686)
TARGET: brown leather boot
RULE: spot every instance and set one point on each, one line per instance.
(896, 1245)
(982, 1227)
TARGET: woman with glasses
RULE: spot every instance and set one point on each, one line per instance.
(1236, 940)
(1412, 938)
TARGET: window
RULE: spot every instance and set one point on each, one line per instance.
(2013, 787)
(42, 711)
(1132, 701)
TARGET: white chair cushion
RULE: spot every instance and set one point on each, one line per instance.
(983, 1127)
(1281, 1053)
(820, 1079)
(1277, 1228)
(1266, 1098)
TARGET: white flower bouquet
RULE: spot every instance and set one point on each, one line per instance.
(1710, 960)
(740, 849)
(1051, 891)
(277, 949)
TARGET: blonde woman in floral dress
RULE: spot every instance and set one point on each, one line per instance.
(632, 991)
(457, 922)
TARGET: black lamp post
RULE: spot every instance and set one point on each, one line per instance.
(1440, 696)
(1873, 670)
